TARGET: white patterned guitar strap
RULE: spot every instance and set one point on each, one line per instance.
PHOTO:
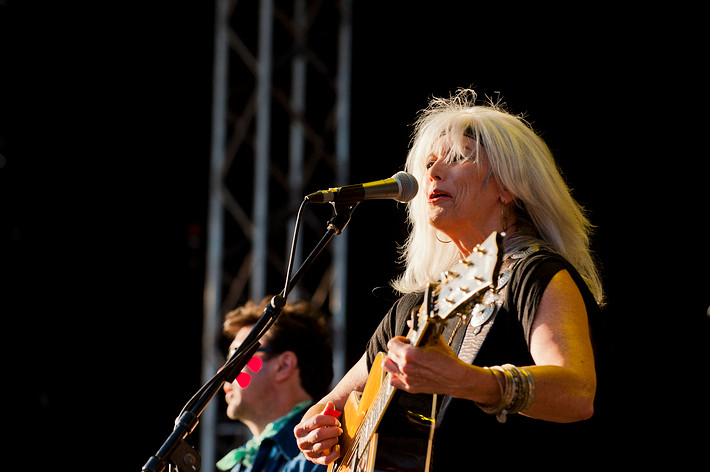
(483, 314)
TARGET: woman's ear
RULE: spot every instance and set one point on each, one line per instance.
(505, 196)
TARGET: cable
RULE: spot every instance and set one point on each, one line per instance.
(292, 255)
(255, 336)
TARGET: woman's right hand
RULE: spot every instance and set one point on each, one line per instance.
(317, 434)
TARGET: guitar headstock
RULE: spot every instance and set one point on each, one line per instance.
(464, 283)
(468, 278)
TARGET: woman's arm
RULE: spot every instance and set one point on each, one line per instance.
(565, 378)
(317, 434)
(560, 344)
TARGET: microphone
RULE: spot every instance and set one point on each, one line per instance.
(401, 187)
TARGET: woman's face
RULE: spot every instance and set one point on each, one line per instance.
(463, 202)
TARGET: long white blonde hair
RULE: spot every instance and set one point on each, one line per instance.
(521, 162)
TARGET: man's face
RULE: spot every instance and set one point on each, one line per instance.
(251, 402)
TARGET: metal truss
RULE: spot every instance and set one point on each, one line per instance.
(280, 130)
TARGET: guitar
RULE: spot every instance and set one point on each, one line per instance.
(369, 418)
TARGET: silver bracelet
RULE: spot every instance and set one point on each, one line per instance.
(517, 392)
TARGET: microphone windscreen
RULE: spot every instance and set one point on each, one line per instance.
(408, 186)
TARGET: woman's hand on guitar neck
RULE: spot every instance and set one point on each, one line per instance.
(318, 433)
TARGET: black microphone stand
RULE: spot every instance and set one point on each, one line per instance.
(175, 452)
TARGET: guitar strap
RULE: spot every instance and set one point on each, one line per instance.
(472, 341)
(483, 315)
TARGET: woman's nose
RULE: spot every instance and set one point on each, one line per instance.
(228, 387)
(435, 170)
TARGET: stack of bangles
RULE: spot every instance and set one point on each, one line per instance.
(517, 391)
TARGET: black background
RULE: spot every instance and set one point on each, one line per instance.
(105, 145)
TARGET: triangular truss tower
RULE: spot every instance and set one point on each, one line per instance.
(280, 130)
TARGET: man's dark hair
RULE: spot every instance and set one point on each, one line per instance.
(300, 328)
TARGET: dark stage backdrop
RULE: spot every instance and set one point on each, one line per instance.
(103, 185)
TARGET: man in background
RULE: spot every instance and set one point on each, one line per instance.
(297, 368)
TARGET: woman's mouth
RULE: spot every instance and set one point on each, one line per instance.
(437, 195)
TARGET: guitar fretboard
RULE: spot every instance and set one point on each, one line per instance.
(374, 414)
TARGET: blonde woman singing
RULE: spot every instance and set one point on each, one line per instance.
(481, 170)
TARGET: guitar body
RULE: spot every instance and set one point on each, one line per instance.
(386, 429)
(387, 447)
(360, 402)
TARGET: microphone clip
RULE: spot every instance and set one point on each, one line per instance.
(341, 218)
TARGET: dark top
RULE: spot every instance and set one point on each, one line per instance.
(465, 429)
